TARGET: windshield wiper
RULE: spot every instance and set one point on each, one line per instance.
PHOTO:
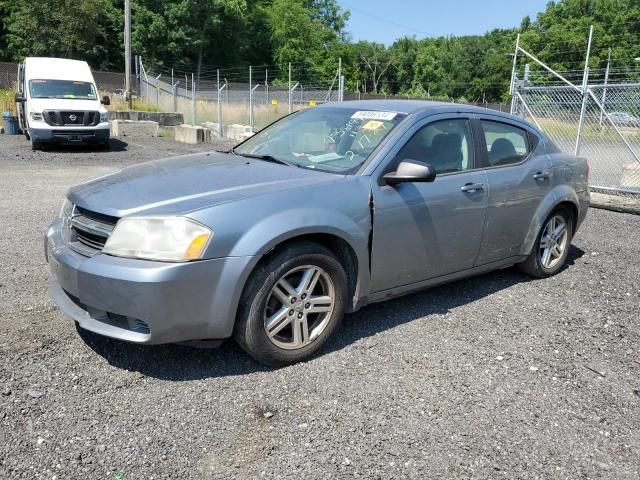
(266, 158)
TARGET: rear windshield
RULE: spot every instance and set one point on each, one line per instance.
(62, 89)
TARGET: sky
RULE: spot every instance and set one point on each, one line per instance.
(384, 21)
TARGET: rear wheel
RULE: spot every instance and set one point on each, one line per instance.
(291, 305)
(550, 251)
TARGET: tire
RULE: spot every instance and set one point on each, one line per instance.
(546, 261)
(26, 134)
(287, 306)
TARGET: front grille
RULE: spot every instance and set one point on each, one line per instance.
(59, 118)
(89, 230)
(90, 240)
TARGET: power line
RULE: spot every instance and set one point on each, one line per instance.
(390, 22)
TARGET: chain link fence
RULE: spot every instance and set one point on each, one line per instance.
(217, 98)
(586, 113)
(226, 96)
(608, 137)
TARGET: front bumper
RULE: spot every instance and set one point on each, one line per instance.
(99, 134)
(142, 301)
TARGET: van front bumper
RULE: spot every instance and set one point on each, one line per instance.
(70, 135)
(143, 301)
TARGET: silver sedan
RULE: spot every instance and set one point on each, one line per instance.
(319, 214)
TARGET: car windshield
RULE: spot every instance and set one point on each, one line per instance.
(62, 89)
(329, 139)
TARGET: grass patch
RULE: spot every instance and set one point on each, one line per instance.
(7, 100)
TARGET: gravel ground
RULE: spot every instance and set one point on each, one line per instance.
(493, 377)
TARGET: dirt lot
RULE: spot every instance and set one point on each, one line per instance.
(493, 377)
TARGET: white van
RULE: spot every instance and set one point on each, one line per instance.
(58, 102)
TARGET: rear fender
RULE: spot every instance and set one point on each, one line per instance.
(561, 193)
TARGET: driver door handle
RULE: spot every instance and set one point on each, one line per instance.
(472, 187)
(542, 175)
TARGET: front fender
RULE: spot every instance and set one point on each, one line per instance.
(561, 193)
(287, 225)
(254, 226)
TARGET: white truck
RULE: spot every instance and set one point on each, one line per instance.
(58, 102)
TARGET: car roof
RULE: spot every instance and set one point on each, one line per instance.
(422, 106)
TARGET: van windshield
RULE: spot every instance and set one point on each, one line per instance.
(62, 89)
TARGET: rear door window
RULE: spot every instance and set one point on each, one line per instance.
(506, 144)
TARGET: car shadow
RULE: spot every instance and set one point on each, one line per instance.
(184, 363)
(115, 145)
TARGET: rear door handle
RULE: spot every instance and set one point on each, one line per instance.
(541, 175)
(472, 187)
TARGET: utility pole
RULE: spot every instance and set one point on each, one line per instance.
(127, 52)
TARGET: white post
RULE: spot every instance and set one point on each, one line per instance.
(513, 75)
(173, 91)
(289, 87)
(585, 93)
(127, 52)
(339, 79)
(606, 81)
(193, 99)
(219, 119)
(175, 96)
(252, 118)
(250, 99)
(158, 92)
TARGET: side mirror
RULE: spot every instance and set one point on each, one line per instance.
(105, 100)
(411, 171)
(20, 97)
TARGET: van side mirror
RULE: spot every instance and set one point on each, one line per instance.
(20, 97)
(411, 171)
(105, 100)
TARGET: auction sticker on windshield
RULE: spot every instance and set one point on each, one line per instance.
(373, 115)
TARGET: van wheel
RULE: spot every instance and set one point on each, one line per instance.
(26, 134)
(551, 248)
(291, 305)
(35, 145)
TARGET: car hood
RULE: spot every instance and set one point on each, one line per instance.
(177, 186)
(40, 104)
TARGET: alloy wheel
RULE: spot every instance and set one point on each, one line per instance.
(299, 307)
(553, 242)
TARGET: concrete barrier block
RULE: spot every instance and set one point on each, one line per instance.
(244, 136)
(192, 134)
(164, 119)
(631, 176)
(215, 128)
(236, 131)
(130, 128)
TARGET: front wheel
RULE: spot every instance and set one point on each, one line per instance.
(291, 305)
(35, 145)
(552, 245)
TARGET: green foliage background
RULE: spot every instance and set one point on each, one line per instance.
(201, 35)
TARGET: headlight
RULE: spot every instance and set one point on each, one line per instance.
(170, 239)
(104, 117)
(66, 209)
(36, 117)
